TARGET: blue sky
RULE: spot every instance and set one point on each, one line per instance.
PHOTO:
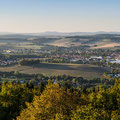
(59, 15)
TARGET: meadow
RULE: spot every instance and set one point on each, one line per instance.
(48, 69)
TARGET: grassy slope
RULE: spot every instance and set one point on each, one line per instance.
(86, 71)
(102, 41)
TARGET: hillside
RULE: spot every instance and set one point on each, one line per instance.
(78, 70)
(93, 41)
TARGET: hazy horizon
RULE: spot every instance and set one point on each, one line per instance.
(7, 32)
(36, 16)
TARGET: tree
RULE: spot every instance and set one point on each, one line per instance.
(41, 87)
(12, 99)
(53, 103)
(89, 113)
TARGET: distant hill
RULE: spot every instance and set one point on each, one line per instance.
(94, 41)
(55, 33)
(91, 39)
(22, 36)
(70, 33)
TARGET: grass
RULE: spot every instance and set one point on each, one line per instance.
(18, 44)
(28, 45)
(78, 70)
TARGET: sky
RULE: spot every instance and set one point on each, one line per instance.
(34, 16)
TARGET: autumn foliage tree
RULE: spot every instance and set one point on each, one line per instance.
(12, 100)
(59, 103)
(53, 103)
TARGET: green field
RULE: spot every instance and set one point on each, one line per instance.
(86, 71)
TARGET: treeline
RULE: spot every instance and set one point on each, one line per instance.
(29, 61)
(34, 61)
(114, 65)
(73, 81)
(56, 60)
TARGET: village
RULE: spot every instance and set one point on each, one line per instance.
(63, 56)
